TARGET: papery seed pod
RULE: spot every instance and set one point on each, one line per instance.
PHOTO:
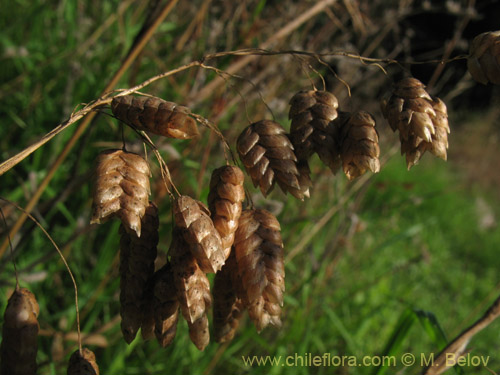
(137, 265)
(199, 232)
(199, 332)
(121, 188)
(166, 305)
(83, 363)
(155, 115)
(20, 334)
(224, 201)
(268, 157)
(312, 130)
(259, 255)
(483, 61)
(360, 149)
(191, 283)
(228, 307)
(421, 120)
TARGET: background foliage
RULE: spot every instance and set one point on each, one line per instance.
(359, 255)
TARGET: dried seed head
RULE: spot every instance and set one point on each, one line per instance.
(121, 188)
(83, 363)
(312, 130)
(191, 283)
(165, 306)
(259, 255)
(228, 307)
(420, 119)
(199, 332)
(20, 333)
(137, 258)
(268, 157)
(224, 201)
(155, 115)
(205, 243)
(483, 61)
(360, 149)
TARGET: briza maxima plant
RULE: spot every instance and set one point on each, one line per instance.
(483, 61)
(83, 363)
(20, 334)
(155, 115)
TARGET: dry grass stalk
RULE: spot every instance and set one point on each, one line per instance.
(193, 290)
(155, 115)
(483, 61)
(83, 363)
(268, 157)
(312, 130)
(360, 149)
(197, 228)
(137, 257)
(165, 305)
(224, 201)
(121, 188)
(259, 255)
(20, 334)
(422, 121)
(228, 307)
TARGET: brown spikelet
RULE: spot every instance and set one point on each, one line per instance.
(259, 255)
(360, 149)
(155, 115)
(198, 230)
(483, 61)
(20, 333)
(224, 201)
(193, 290)
(228, 307)
(83, 363)
(137, 257)
(165, 306)
(312, 130)
(121, 188)
(421, 120)
(268, 157)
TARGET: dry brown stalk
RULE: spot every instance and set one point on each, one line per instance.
(259, 255)
(20, 334)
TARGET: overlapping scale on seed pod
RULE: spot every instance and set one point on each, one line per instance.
(312, 129)
(20, 334)
(83, 363)
(121, 188)
(228, 307)
(224, 201)
(137, 258)
(259, 256)
(360, 150)
(155, 115)
(483, 61)
(204, 241)
(165, 305)
(268, 156)
(193, 290)
(422, 121)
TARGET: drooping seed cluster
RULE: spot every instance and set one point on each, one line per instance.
(155, 115)
(20, 334)
(483, 61)
(422, 121)
(83, 363)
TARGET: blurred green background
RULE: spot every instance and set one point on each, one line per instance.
(389, 264)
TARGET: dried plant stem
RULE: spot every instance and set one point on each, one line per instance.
(63, 260)
(10, 163)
